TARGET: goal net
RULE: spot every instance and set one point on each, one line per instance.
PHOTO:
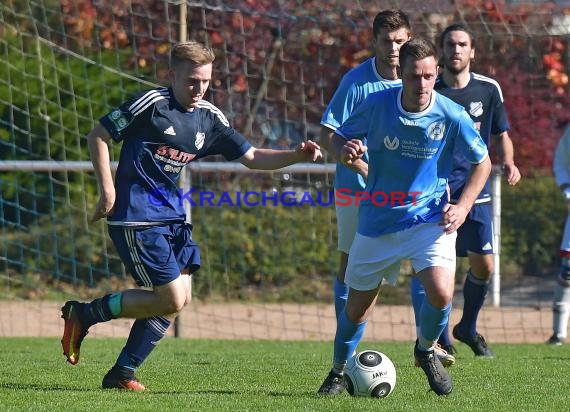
(267, 269)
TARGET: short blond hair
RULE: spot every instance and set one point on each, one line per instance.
(191, 51)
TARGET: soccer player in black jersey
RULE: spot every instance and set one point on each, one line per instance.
(161, 131)
(482, 97)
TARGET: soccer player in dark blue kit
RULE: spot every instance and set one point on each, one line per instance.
(161, 131)
(482, 97)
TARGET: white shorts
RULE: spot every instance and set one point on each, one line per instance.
(346, 223)
(373, 259)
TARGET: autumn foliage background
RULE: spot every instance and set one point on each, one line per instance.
(315, 42)
(277, 64)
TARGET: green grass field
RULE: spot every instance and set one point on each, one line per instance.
(270, 376)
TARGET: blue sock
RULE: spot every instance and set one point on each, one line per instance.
(474, 293)
(340, 296)
(432, 322)
(144, 336)
(347, 338)
(102, 309)
(444, 337)
(418, 294)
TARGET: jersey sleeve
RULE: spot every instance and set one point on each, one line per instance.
(227, 141)
(121, 120)
(341, 105)
(469, 141)
(357, 124)
(561, 159)
(500, 121)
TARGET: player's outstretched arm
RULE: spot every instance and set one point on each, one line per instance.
(454, 215)
(270, 159)
(97, 141)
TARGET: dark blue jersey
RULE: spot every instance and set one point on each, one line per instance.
(483, 100)
(159, 137)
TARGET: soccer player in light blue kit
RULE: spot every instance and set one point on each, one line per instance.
(390, 29)
(161, 130)
(482, 98)
(411, 136)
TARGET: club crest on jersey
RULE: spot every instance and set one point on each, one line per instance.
(200, 137)
(476, 109)
(391, 144)
(436, 130)
(118, 119)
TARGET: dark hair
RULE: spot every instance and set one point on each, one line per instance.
(390, 20)
(456, 27)
(191, 51)
(417, 48)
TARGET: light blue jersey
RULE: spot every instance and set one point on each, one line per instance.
(410, 158)
(354, 87)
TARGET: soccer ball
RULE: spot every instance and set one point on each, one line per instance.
(370, 373)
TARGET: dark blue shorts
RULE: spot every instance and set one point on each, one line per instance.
(156, 255)
(476, 234)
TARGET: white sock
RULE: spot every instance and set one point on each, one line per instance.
(560, 311)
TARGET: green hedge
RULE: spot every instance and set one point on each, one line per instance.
(533, 216)
(272, 253)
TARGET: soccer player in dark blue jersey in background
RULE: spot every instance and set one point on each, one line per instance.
(161, 131)
(482, 97)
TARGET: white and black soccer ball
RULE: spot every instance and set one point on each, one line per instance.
(370, 373)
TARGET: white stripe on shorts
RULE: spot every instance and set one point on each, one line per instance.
(138, 265)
